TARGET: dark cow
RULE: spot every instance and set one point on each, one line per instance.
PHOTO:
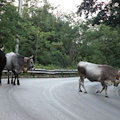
(17, 63)
(104, 74)
(2, 61)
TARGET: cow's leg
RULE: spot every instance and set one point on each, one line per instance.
(81, 82)
(104, 87)
(8, 82)
(80, 85)
(12, 78)
(16, 77)
(106, 92)
(0, 76)
(18, 82)
(99, 91)
(15, 74)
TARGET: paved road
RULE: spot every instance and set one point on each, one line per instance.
(57, 99)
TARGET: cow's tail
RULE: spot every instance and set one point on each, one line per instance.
(78, 68)
(81, 70)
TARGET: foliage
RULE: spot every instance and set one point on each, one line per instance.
(100, 44)
(49, 38)
(9, 26)
(107, 13)
(57, 42)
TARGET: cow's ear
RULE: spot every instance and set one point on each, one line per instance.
(2, 47)
(31, 57)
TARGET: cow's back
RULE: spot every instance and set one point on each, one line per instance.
(89, 68)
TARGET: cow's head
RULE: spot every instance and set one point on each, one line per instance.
(28, 63)
(117, 81)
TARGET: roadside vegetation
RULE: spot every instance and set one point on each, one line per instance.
(58, 40)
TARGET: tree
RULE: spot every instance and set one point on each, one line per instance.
(99, 44)
(107, 13)
(9, 26)
(50, 39)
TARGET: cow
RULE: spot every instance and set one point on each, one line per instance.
(17, 63)
(105, 74)
(2, 61)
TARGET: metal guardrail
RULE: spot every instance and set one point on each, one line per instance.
(50, 72)
(53, 72)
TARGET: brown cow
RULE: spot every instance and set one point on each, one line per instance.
(104, 74)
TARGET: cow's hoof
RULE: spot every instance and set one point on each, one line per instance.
(80, 90)
(14, 84)
(106, 96)
(98, 91)
(85, 92)
(18, 83)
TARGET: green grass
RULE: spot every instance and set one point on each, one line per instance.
(52, 67)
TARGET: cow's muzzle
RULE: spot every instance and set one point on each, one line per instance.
(116, 83)
(25, 70)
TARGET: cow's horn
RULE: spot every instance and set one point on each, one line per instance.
(31, 56)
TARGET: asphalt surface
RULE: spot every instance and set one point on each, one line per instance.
(57, 99)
